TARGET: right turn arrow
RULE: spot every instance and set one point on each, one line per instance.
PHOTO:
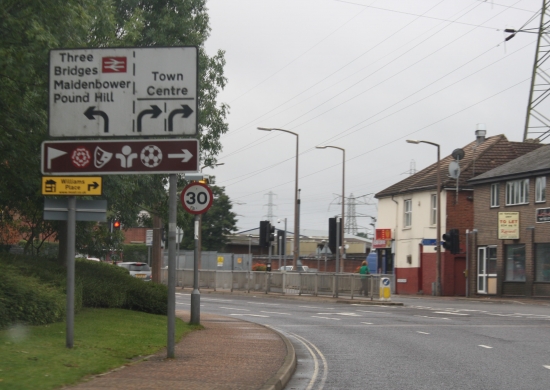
(185, 111)
(156, 111)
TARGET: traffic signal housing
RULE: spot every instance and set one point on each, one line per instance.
(271, 233)
(451, 241)
(116, 225)
(332, 234)
(264, 234)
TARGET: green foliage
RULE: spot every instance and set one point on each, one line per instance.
(135, 252)
(33, 290)
(26, 300)
(36, 357)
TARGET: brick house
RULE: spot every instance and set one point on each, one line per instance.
(510, 253)
(408, 210)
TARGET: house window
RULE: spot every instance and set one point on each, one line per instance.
(517, 192)
(542, 262)
(515, 263)
(495, 202)
(408, 213)
(540, 189)
(433, 210)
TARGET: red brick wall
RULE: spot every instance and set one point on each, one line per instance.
(135, 234)
(411, 275)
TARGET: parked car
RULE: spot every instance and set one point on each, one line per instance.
(286, 268)
(302, 268)
(137, 270)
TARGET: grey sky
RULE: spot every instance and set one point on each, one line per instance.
(363, 75)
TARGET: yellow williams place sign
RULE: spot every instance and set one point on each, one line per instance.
(72, 185)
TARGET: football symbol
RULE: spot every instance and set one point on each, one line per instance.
(151, 156)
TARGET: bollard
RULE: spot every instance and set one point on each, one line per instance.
(385, 289)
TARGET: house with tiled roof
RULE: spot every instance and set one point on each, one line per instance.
(407, 214)
(510, 251)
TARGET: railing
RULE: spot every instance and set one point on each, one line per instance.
(291, 283)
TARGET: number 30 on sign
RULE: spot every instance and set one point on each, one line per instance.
(196, 198)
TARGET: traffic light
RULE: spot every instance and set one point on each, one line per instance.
(264, 234)
(451, 241)
(271, 234)
(332, 233)
(116, 225)
(281, 242)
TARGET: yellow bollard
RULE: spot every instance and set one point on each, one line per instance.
(385, 289)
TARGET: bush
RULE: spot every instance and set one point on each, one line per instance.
(148, 297)
(27, 300)
(259, 267)
(135, 252)
(103, 284)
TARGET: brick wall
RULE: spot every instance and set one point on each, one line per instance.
(486, 222)
(135, 235)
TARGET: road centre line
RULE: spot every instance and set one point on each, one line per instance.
(367, 323)
(448, 312)
(327, 318)
(233, 308)
(275, 312)
(485, 346)
(546, 367)
(421, 332)
(436, 318)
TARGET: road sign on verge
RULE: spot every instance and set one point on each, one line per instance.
(115, 157)
(197, 198)
(70, 185)
(123, 92)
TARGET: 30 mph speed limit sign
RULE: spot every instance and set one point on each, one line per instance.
(196, 198)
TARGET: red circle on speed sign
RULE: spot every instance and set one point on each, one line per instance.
(197, 198)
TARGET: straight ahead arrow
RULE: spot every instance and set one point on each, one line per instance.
(185, 156)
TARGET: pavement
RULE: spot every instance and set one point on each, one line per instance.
(228, 354)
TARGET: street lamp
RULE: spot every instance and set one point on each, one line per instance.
(438, 218)
(296, 210)
(343, 197)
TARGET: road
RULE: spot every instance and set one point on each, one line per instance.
(428, 343)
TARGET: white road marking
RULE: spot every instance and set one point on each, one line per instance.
(327, 318)
(251, 315)
(485, 346)
(233, 308)
(448, 312)
(274, 312)
(265, 304)
(316, 369)
(367, 323)
(547, 367)
(436, 318)
(310, 307)
(421, 332)
(365, 311)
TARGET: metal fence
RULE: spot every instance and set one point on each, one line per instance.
(291, 283)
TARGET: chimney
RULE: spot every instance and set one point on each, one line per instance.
(480, 133)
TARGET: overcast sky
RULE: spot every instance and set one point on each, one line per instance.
(363, 75)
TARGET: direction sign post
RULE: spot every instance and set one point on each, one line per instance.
(123, 92)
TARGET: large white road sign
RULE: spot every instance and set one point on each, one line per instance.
(123, 92)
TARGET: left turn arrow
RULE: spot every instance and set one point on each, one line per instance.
(90, 114)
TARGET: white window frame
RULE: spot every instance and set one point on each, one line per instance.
(433, 209)
(517, 192)
(407, 213)
(495, 192)
(540, 189)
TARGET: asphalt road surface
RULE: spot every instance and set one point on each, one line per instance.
(428, 343)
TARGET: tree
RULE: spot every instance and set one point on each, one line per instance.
(217, 223)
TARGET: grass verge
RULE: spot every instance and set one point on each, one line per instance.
(35, 357)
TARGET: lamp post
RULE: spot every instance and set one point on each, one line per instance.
(249, 251)
(284, 245)
(438, 217)
(343, 199)
(296, 211)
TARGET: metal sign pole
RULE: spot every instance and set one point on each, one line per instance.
(172, 205)
(196, 295)
(71, 240)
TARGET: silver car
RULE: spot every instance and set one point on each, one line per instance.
(137, 270)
